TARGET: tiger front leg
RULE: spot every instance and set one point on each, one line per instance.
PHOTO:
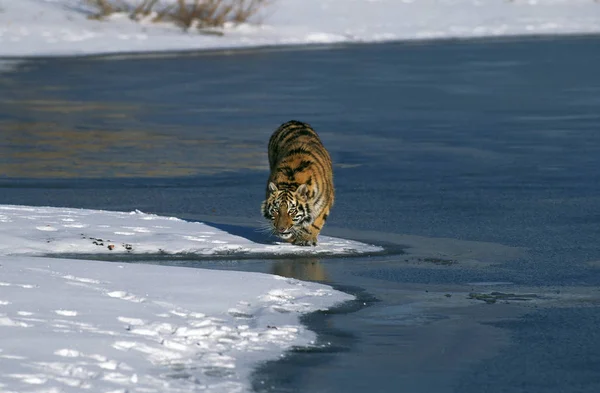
(306, 238)
(305, 242)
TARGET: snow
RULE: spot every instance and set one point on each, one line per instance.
(50, 230)
(72, 325)
(69, 325)
(61, 27)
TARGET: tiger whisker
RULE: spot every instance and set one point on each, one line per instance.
(266, 229)
(264, 225)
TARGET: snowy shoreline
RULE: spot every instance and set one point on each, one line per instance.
(11, 62)
(49, 28)
(38, 231)
(67, 325)
(127, 327)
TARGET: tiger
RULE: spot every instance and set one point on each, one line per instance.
(300, 190)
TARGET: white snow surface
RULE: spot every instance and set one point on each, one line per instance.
(51, 230)
(70, 325)
(61, 27)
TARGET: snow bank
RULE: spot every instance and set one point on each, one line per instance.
(69, 325)
(73, 326)
(61, 27)
(50, 230)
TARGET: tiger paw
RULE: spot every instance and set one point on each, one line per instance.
(305, 242)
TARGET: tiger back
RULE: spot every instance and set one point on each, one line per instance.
(300, 190)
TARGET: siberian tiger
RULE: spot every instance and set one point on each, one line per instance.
(300, 187)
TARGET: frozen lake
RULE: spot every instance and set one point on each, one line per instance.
(476, 164)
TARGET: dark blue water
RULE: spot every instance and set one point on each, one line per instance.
(479, 159)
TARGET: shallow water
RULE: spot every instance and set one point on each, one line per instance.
(476, 163)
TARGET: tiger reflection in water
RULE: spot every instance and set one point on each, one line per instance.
(308, 269)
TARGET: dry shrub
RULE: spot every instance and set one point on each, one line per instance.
(188, 14)
(107, 7)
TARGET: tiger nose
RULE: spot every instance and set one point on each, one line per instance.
(282, 229)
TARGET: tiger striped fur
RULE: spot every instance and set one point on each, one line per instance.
(300, 189)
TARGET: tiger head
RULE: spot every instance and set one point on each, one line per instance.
(287, 210)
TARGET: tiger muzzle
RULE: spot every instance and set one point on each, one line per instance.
(283, 229)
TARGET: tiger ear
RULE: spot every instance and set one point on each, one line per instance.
(302, 192)
(272, 187)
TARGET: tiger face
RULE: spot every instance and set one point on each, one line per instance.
(288, 212)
